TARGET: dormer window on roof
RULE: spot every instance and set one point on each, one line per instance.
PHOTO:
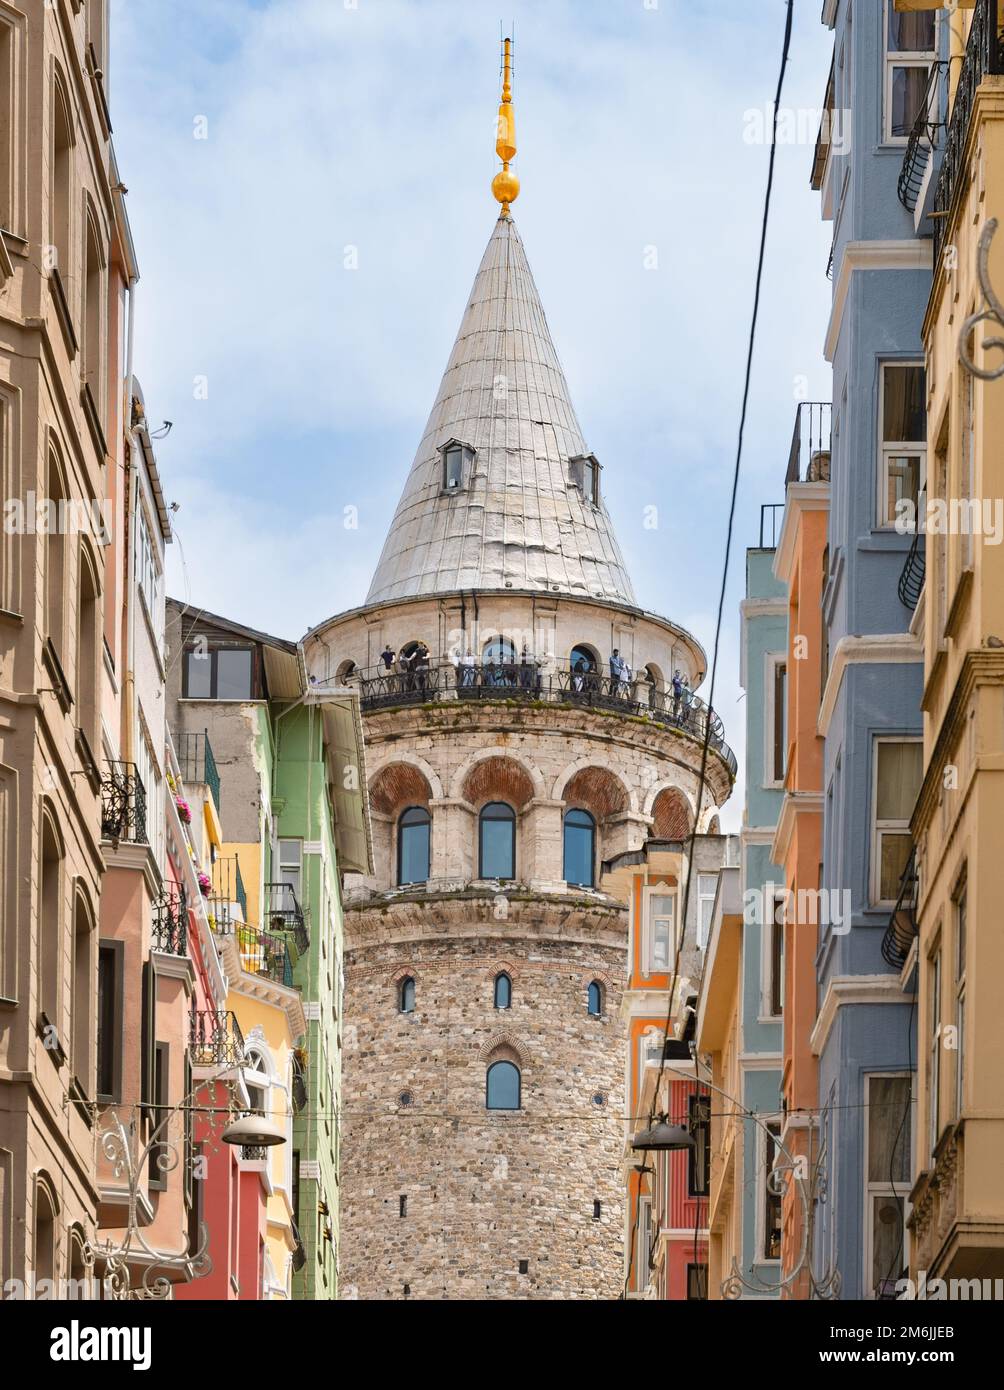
(458, 459)
(585, 472)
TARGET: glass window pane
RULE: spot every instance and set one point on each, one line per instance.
(498, 842)
(902, 480)
(503, 1086)
(895, 853)
(900, 767)
(503, 992)
(888, 1129)
(198, 675)
(911, 33)
(579, 848)
(595, 999)
(454, 468)
(904, 411)
(887, 1239)
(414, 847)
(233, 675)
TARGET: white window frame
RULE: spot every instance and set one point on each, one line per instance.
(880, 1188)
(702, 898)
(467, 455)
(896, 448)
(766, 1014)
(888, 827)
(284, 866)
(772, 661)
(895, 58)
(661, 891)
(760, 1234)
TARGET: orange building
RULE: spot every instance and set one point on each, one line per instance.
(800, 563)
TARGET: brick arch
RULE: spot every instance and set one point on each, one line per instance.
(497, 777)
(402, 973)
(404, 782)
(501, 967)
(504, 1041)
(588, 976)
(595, 789)
(671, 814)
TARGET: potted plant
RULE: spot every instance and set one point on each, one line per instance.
(184, 810)
(205, 883)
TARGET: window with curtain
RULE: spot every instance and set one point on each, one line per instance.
(899, 765)
(503, 991)
(414, 830)
(502, 1086)
(497, 841)
(910, 52)
(904, 437)
(580, 848)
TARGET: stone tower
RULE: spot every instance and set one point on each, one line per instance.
(482, 1112)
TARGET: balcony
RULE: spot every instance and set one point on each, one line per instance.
(170, 922)
(284, 913)
(527, 681)
(924, 137)
(901, 932)
(228, 885)
(215, 1038)
(299, 1088)
(911, 580)
(771, 521)
(265, 953)
(809, 456)
(123, 804)
(984, 57)
(197, 764)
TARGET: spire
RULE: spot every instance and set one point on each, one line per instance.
(505, 185)
(499, 493)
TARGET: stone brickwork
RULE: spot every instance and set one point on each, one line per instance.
(484, 1190)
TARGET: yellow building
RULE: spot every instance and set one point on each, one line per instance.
(957, 1220)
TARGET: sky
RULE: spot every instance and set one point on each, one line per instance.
(309, 192)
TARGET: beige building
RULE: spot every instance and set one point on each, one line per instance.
(65, 260)
(957, 1220)
(521, 731)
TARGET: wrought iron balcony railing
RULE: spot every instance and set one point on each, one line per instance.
(123, 804)
(299, 1089)
(265, 953)
(809, 456)
(170, 922)
(984, 57)
(771, 521)
(215, 1038)
(197, 763)
(228, 883)
(923, 137)
(911, 579)
(902, 929)
(284, 913)
(526, 680)
(254, 1153)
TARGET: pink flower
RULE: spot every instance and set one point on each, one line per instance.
(205, 883)
(184, 810)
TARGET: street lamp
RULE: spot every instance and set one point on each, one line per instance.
(254, 1132)
(663, 1137)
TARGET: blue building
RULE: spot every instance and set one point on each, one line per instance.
(763, 674)
(871, 169)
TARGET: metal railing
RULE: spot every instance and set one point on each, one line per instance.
(809, 456)
(215, 1038)
(254, 1153)
(264, 953)
(284, 913)
(197, 763)
(228, 883)
(902, 929)
(984, 57)
(527, 680)
(299, 1089)
(123, 804)
(911, 579)
(771, 521)
(923, 137)
(170, 922)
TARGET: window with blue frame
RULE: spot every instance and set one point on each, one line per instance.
(413, 842)
(503, 991)
(502, 1086)
(497, 841)
(580, 848)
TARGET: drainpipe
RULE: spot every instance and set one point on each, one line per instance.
(131, 482)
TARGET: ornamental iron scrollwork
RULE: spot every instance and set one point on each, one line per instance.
(991, 312)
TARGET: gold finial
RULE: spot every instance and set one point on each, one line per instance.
(505, 184)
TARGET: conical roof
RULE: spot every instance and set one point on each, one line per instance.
(519, 520)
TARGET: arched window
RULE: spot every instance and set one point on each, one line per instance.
(584, 654)
(580, 848)
(406, 995)
(45, 1253)
(595, 998)
(50, 924)
(257, 1081)
(499, 652)
(497, 841)
(413, 838)
(88, 639)
(503, 991)
(502, 1086)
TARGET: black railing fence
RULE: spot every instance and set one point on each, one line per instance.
(170, 921)
(123, 804)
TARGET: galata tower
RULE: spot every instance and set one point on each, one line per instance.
(522, 727)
